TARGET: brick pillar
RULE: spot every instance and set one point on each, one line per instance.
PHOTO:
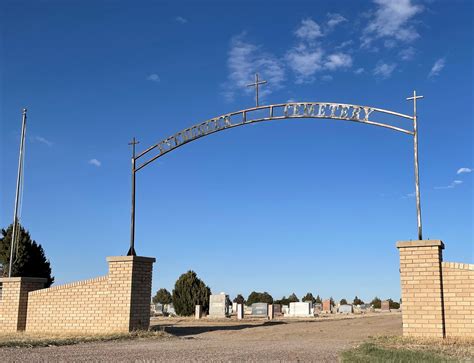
(129, 289)
(14, 301)
(421, 283)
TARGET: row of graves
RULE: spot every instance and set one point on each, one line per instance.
(219, 307)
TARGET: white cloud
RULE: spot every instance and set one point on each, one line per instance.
(464, 170)
(244, 60)
(437, 67)
(407, 54)
(43, 140)
(334, 20)
(359, 70)
(392, 19)
(450, 186)
(384, 70)
(338, 60)
(305, 62)
(344, 44)
(327, 78)
(95, 162)
(309, 30)
(153, 77)
(181, 20)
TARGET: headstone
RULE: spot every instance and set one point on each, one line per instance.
(300, 309)
(326, 306)
(198, 312)
(247, 310)
(234, 307)
(158, 309)
(169, 309)
(218, 307)
(385, 305)
(345, 309)
(317, 307)
(259, 309)
(271, 312)
(240, 311)
(285, 309)
(277, 309)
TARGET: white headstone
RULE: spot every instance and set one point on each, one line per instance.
(300, 309)
(240, 311)
(218, 307)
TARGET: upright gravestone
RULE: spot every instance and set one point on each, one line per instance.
(345, 309)
(385, 305)
(240, 311)
(218, 305)
(277, 309)
(260, 309)
(271, 311)
(300, 309)
(198, 312)
(326, 306)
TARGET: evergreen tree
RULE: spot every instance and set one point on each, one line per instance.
(256, 297)
(188, 292)
(376, 303)
(393, 304)
(30, 259)
(162, 296)
(239, 299)
(318, 300)
(293, 298)
(357, 301)
(331, 301)
(309, 297)
(343, 302)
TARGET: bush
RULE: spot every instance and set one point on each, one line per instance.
(162, 296)
(357, 301)
(376, 303)
(188, 292)
(343, 302)
(393, 304)
(318, 300)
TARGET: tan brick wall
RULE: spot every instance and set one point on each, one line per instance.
(14, 301)
(458, 292)
(420, 276)
(119, 301)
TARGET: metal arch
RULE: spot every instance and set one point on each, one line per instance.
(337, 111)
(326, 110)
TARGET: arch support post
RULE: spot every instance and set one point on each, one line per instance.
(417, 172)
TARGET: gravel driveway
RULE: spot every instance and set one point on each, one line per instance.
(318, 340)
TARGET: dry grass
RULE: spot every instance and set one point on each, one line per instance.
(404, 349)
(24, 340)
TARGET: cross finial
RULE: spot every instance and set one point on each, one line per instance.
(256, 84)
(133, 143)
(414, 98)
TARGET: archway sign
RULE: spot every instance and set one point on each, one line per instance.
(290, 110)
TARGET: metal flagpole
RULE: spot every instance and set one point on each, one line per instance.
(417, 176)
(131, 251)
(19, 181)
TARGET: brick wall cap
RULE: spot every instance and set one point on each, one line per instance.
(131, 259)
(422, 243)
(23, 279)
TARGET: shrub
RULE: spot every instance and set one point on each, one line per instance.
(188, 292)
(162, 296)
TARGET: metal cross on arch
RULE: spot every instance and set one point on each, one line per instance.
(282, 111)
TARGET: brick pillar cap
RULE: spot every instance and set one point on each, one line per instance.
(23, 279)
(422, 243)
(130, 259)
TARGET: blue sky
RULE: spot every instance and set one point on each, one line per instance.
(285, 206)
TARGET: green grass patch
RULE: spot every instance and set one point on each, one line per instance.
(23, 340)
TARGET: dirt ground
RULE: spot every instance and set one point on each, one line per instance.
(318, 340)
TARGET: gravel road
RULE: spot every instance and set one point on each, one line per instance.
(207, 340)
